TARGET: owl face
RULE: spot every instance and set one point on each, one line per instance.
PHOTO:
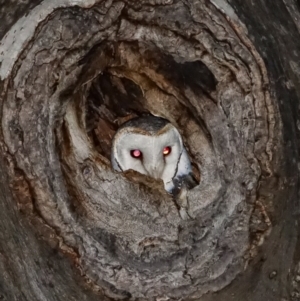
(154, 150)
(154, 156)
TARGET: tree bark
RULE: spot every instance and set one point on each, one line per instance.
(226, 74)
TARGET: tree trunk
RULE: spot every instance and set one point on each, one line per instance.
(226, 74)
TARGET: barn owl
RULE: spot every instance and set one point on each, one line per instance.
(152, 146)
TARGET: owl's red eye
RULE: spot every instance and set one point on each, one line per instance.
(167, 150)
(136, 153)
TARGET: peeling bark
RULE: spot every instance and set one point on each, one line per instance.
(225, 74)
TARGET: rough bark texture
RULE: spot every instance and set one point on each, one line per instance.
(226, 74)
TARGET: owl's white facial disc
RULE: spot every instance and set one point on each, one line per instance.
(152, 160)
(158, 154)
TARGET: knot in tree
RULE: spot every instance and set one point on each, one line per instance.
(72, 73)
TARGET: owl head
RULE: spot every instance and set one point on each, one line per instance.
(152, 146)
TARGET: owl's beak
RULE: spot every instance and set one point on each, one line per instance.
(155, 171)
